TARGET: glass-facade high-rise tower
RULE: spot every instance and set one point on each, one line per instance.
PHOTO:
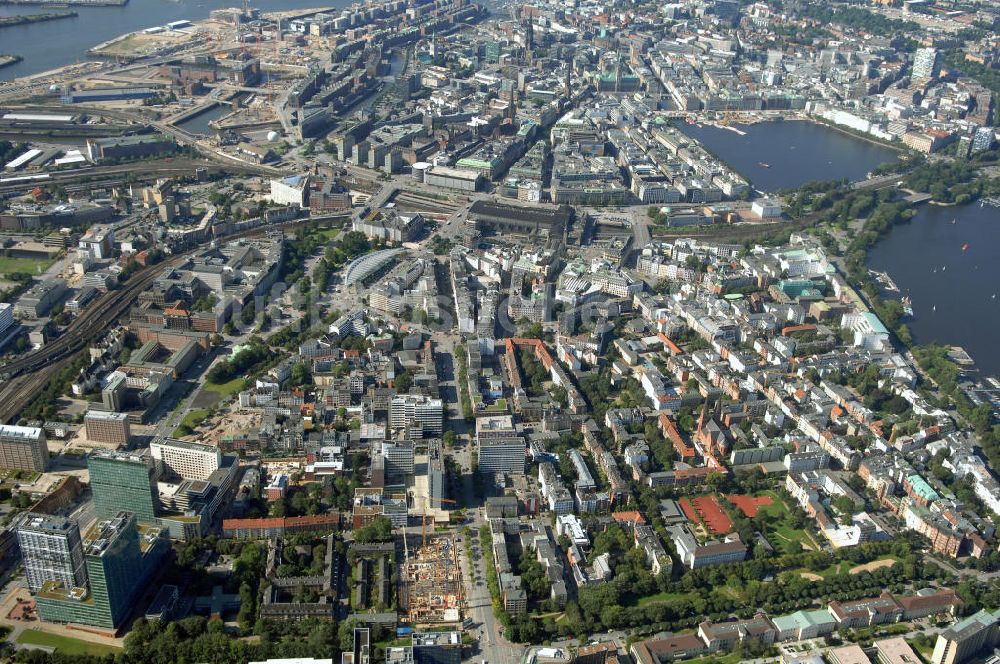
(123, 481)
(120, 556)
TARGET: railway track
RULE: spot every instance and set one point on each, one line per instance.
(24, 377)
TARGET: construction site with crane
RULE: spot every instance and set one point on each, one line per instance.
(430, 579)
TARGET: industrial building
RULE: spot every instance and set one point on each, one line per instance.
(124, 147)
(506, 219)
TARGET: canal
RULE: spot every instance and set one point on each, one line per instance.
(199, 123)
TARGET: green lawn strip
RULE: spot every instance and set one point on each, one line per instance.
(660, 598)
(228, 389)
(65, 644)
(780, 533)
(328, 233)
(192, 419)
(836, 569)
(728, 658)
(25, 265)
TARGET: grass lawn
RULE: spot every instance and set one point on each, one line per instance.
(228, 389)
(659, 598)
(28, 265)
(842, 567)
(192, 419)
(728, 658)
(924, 650)
(65, 644)
(327, 233)
(780, 533)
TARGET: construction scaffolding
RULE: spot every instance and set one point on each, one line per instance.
(431, 582)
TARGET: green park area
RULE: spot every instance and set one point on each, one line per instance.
(846, 567)
(226, 390)
(191, 420)
(64, 644)
(783, 529)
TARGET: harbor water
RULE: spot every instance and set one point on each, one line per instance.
(54, 44)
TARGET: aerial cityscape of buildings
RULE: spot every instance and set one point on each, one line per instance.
(434, 331)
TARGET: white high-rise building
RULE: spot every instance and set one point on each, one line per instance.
(52, 551)
(417, 411)
(926, 63)
(291, 190)
(23, 448)
(398, 457)
(192, 461)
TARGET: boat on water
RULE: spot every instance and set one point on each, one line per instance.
(907, 305)
(763, 164)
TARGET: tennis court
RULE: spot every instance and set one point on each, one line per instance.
(750, 505)
(707, 511)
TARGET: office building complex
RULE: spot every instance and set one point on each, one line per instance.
(501, 449)
(23, 448)
(416, 413)
(105, 427)
(52, 551)
(186, 459)
(398, 458)
(982, 139)
(123, 481)
(6, 317)
(437, 647)
(114, 391)
(120, 556)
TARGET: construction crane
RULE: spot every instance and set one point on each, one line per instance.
(423, 517)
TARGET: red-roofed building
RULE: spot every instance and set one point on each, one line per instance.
(667, 649)
(927, 603)
(263, 528)
(628, 518)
